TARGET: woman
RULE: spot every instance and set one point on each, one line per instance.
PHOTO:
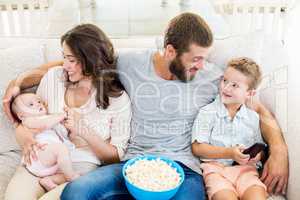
(98, 109)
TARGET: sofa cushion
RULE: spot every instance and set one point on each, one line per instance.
(8, 164)
(14, 61)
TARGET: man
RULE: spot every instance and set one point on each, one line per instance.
(167, 89)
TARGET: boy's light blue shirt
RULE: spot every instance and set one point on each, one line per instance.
(214, 126)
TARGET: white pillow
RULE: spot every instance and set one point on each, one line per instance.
(249, 45)
(52, 50)
(14, 61)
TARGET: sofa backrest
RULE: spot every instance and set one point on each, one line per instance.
(17, 56)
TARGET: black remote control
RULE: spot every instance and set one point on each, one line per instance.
(254, 150)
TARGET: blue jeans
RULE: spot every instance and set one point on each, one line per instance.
(107, 183)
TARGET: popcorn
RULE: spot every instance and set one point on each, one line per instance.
(153, 175)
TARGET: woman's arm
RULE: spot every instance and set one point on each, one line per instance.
(33, 77)
(90, 130)
(276, 169)
(25, 80)
(105, 151)
(91, 127)
(25, 138)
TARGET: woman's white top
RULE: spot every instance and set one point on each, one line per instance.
(112, 124)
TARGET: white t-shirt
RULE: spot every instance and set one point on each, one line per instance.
(111, 124)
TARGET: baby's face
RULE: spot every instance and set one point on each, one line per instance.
(30, 105)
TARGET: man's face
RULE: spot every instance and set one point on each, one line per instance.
(186, 66)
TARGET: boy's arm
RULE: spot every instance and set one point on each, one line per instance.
(211, 152)
(43, 122)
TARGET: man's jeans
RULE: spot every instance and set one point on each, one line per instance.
(107, 183)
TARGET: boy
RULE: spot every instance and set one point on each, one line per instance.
(223, 129)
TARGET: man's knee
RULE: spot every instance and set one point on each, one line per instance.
(95, 183)
(192, 188)
(75, 190)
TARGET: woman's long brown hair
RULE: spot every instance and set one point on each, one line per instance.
(96, 54)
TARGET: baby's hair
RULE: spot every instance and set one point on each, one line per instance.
(249, 68)
(14, 109)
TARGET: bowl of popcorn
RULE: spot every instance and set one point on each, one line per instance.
(152, 177)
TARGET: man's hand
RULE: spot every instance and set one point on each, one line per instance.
(11, 92)
(276, 171)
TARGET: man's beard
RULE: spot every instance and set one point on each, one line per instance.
(177, 68)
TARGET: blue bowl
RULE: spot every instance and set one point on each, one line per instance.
(142, 194)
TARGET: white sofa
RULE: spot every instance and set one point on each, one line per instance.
(21, 54)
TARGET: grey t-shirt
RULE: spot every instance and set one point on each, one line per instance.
(163, 111)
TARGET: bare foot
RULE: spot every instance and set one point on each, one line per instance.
(47, 183)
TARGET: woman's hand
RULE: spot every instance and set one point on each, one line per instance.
(238, 156)
(11, 92)
(25, 138)
(74, 123)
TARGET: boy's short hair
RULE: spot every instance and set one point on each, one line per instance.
(249, 68)
(186, 29)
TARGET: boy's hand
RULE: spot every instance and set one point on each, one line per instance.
(238, 156)
(256, 159)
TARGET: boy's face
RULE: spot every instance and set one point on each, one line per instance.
(30, 105)
(186, 66)
(234, 87)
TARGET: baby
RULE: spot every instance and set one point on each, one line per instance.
(223, 129)
(53, 163)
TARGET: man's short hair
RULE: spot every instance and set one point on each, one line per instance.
(186, 29)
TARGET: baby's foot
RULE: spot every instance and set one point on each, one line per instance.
(47, 183)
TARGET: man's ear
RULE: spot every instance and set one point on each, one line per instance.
(170, 52)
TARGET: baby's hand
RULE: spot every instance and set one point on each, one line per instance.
(62, 116)
(238, 156)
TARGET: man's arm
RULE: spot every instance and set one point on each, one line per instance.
(276, 169)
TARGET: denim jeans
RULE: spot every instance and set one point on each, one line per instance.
(107, 183)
